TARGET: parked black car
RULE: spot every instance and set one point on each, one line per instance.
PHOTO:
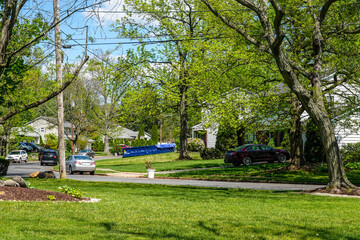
(35, 147)
(249, 153)
(48, 156)
(87, 152)
(24, 146)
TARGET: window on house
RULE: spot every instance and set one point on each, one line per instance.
(42, 129)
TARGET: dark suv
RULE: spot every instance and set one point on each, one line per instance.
(48, 156)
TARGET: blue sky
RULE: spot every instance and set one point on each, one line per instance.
(99, 29)
(74, 28)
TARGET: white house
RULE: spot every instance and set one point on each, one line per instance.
(124, 133)
(347, 124)
(45, 125)
(209, 137)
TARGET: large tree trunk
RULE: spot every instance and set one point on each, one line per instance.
(106, 144)
(315, 107)
(184, 155)
(337, 175)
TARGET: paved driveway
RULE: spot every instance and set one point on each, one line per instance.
(24, 169)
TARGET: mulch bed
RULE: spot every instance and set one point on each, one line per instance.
(30, 194)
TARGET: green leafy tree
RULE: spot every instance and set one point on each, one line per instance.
(109, 81)
(183, 60)
(299, 37)
(51, 141)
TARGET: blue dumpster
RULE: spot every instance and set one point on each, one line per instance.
(147, 150)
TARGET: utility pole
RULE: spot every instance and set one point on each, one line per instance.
(60, 99)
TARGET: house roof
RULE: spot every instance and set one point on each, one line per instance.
(50, 120)
(125, 133)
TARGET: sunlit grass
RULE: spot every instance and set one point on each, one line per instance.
(263, 172)
(130, 211)
(162, 162)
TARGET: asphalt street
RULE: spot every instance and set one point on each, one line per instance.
(24, 169)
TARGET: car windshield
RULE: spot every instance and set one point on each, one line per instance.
(14, 153)
(84, 150)
(82, 157)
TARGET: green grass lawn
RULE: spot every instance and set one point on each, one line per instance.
(263, 172)
(131, 211)
(161, 162)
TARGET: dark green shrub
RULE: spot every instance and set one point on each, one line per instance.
(211, 153)
(313, 151)
(4, 164)
(195, 144)
(350, 153)
(226, 138)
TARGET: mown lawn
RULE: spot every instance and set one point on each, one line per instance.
(130, 211)
(264, 172)
(161, 162)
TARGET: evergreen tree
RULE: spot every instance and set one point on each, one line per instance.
(141, 132)
(154, 135)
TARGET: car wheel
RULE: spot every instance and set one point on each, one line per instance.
(82, 173)
(41, 163)
(20, 160)
(26, 159)
(92, 172)
(70, 170)
(247, 161)
(281, 158)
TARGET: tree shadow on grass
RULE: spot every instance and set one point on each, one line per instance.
(309, 232)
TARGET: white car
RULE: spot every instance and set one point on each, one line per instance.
(17, 156)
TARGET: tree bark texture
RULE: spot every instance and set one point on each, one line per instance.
(296, 142)
(184, 155)
(106, 144)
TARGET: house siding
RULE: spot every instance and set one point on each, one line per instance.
(48, 127)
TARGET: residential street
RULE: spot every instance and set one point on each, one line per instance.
(24, 169)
